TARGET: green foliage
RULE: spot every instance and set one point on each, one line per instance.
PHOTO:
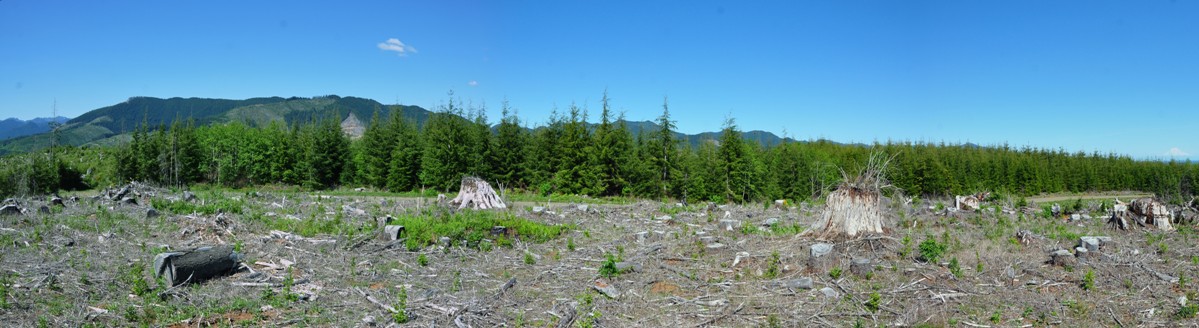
(401, 306)
(905, 246)
(874, 302)
(422, 260)
(608, 267)
(772, 267)
(662, 150)
(529, 259)
(931, 250)
(215, 205)
(42, 172)
(375, 151)
(1191, 308)
(134, 277)
(1088, 280)
(289, 281)
(4, 286)
(748, 229)
(451, 150)
(835, 273)
(473, 227)
(509, 154)
(588, 321)
(298, 141)
(954, 267)
(1187, 311)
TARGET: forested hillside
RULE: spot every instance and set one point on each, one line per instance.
(117, 121)
(568, 156)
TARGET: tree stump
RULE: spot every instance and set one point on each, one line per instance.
(196, 265)
(478, 194)
(10, 210)
(821, 258)
(392, 232)
(1062, 257)
(861, 266)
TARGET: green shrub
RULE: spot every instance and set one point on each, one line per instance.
(772, 268)
(954, 267)
(874, 302)
(931, 250)
(422, 260)
(135, 277)
(835, 273)
(1088, 280)
(608, 267)
(401, 306)
(473, 226)
(1189, 310)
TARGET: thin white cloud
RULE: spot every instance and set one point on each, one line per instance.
(396, 45)
(1175, 152)
(473, 83)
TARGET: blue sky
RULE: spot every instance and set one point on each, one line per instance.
(1107, 76)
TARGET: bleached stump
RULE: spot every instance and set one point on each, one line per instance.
(1146, 212)
(850, 211)
(477, 194)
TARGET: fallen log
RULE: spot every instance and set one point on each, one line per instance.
(196, 265)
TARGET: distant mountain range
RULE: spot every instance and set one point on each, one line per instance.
(113, 124)
(15, 127)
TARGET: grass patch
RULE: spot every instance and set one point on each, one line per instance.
(473, 226)
(219, 205)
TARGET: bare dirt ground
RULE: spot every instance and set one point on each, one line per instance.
(689, 266)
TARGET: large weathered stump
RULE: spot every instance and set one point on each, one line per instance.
(196, 265)
(478, 194)
(855, 208)
(1146, 212)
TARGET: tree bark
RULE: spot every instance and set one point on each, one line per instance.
(196, 265)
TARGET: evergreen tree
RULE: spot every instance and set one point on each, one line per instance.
(509, 149)
(481, 147)
(405, 167)
(325, 151)
(544, 154)
(736, 165)
(612, 153)
(664, 149)
(377, 144)
(575, 174)
(449, 149)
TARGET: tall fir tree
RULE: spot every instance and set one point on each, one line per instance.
(575, 174)
(378, 143)
(664, 149)
(509, 150)
(612, 153)
(736, 165)
(449, 151)
(405, 166)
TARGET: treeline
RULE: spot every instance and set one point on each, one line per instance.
(572, 155)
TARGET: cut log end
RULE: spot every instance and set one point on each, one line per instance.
(196, 265)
